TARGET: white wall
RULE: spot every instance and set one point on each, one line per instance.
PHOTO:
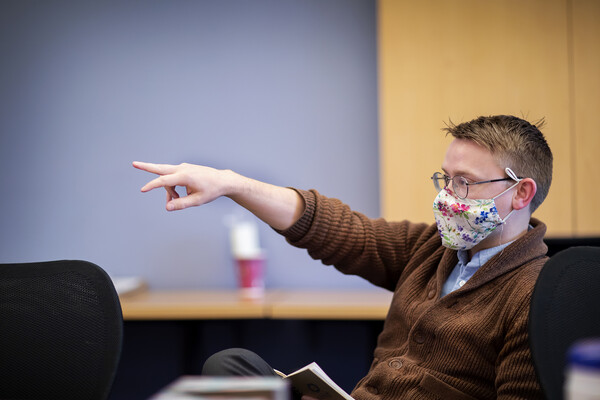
(282, 91)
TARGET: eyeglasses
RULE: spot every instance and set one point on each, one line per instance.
(460, 184)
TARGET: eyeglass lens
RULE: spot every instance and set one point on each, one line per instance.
(439, 181)
(459, 186)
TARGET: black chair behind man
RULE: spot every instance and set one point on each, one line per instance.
(565, 307)
(61, 330)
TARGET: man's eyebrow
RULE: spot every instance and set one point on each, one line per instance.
(462, 173)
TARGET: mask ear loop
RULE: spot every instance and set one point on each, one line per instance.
(514, 177)
(501, 232)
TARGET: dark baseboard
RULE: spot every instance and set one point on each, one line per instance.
(557, 244)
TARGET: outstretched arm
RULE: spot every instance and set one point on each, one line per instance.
(277, 206)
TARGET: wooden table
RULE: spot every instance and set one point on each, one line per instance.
(276, 304)
(351, 305)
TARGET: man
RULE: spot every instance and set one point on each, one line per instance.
(457, 325)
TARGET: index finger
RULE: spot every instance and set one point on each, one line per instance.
(160, 169)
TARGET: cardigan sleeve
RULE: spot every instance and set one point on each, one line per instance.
(374, 249)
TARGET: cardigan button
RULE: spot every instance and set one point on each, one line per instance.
(395, 363)
(431, 294)
(419, 338)
(372, 389)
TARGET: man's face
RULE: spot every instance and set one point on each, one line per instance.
(475, 163)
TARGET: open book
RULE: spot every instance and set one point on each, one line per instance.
(313, 381)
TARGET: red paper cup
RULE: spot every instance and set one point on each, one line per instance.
(251, 277)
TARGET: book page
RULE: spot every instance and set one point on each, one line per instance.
(314, 382)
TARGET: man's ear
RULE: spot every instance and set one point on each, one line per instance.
(526, 189)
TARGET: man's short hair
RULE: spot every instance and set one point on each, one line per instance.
(515, 143)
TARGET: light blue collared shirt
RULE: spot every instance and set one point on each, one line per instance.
(466, 268)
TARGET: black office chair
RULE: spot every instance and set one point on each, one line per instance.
(61, 329)
(565, 307)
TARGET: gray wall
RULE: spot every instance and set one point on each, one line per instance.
(282, 91)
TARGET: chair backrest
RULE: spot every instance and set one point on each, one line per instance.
(61, 330)
(565, 307)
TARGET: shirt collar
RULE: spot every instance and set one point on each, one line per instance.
(481, 257)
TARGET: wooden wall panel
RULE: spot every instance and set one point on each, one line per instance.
(586, 113)
(441, 60)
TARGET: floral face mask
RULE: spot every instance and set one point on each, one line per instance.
(463, 223)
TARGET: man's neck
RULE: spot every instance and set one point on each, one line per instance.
(500, 236)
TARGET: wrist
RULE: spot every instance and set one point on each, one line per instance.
(234, 184)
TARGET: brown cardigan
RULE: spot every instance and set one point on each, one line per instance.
(470, 344)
